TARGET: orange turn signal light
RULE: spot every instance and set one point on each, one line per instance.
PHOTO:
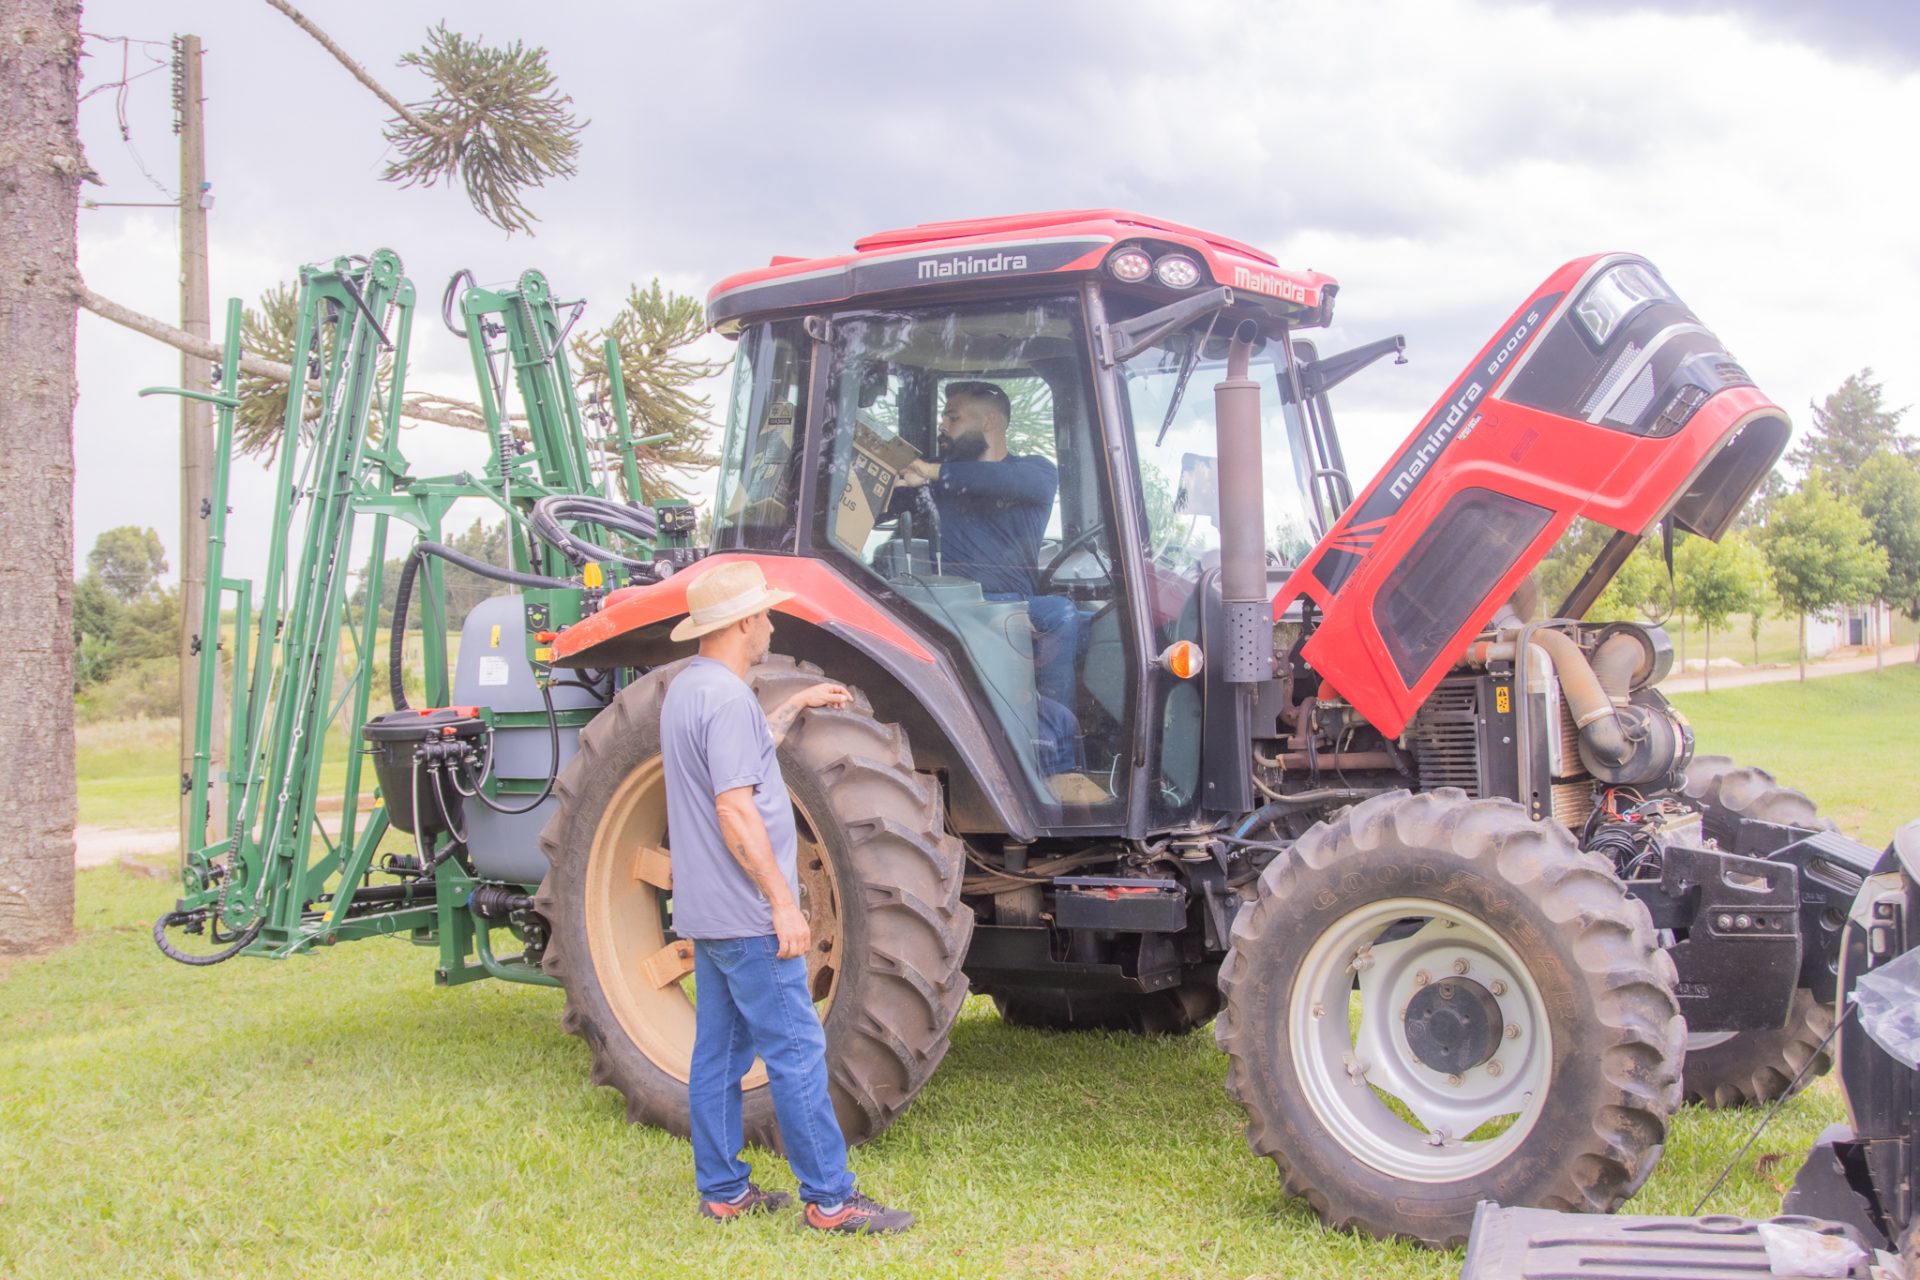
(1184, 659)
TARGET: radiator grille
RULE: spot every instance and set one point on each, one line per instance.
(1569, 743)
(1573, 803)
(1445, 736)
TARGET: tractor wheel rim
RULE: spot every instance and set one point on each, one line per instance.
(632, 948)
(1350, 1047)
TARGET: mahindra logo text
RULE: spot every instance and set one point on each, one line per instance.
(1261, 282)
(1457, 413)
(942, 268)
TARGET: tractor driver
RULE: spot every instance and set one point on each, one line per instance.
(994, 507)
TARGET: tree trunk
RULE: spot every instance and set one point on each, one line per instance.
(1803, 647)
(1879, 662)
(40, 172)
(1706, 667)
(1683, 643)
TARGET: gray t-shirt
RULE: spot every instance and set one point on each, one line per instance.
(713, 738)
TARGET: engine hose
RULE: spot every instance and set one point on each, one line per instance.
(1274, 810)
(403, 599)
(550, 515)
(553, 738)
(171, 952)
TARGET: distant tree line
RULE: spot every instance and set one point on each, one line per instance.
(1845, 532)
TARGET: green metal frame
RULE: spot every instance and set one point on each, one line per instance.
(340, 474)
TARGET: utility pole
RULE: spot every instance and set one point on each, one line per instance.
(196, 374)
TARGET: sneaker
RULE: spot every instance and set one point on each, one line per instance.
(752, 1200)
(859, 1215)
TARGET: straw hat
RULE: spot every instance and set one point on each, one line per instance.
(725, 594)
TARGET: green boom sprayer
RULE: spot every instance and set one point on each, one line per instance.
(265, 875)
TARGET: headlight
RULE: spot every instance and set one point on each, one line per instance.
(1130, 265)
(1177, 272)
(1615, 295)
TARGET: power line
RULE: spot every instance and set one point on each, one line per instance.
(120, 87)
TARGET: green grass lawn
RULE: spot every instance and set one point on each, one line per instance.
(1850, 742)
(337, 1114)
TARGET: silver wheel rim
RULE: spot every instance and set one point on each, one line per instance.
(1350, 1046)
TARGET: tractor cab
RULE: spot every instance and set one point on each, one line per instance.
(1002, 434)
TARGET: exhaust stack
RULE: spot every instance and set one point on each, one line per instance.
(1243, 538)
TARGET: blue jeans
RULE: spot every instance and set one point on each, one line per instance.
(1056, 635)
(748, 1001)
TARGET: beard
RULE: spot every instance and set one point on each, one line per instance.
(968, 446)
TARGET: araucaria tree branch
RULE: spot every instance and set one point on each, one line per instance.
(359, 72)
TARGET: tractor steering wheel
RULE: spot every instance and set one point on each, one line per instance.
(1072, 545)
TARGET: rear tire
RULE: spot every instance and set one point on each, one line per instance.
(880, 884)
(1173, 1012)
(1577, 1012)
(1747, 1068)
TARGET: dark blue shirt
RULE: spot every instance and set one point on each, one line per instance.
(992, 518)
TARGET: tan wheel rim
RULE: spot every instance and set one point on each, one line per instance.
(646, 976)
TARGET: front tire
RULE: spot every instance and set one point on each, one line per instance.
(1435, 1001)
(879, 881)
(1746, 1068)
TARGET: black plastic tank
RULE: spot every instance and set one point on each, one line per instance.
(395, 738)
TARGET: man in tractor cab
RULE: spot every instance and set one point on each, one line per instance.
(736, 896)
(994, 507)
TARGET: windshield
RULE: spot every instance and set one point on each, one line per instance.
(1177, 481)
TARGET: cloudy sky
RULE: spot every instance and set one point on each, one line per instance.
(1438, 157)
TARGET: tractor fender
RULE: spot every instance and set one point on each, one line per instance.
(834, 624)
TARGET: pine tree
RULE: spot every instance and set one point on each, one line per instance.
(1850, 427)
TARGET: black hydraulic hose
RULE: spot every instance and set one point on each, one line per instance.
(172, 952)
(403, 599)
(440, 802)
(1276, 809)
(397, 638)
(511, 576)
(550, 516)
(553, 772)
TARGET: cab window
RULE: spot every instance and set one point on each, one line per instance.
(960, 474)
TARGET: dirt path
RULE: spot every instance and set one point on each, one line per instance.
(1733, 678)
(97, 846)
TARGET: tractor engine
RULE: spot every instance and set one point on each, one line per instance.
(1576, 718)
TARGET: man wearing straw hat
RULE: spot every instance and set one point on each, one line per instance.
(736, 895)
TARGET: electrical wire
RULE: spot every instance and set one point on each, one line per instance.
(1774, 1110)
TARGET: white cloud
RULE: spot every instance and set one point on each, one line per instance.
(1439, 158)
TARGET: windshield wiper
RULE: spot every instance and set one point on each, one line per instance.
(1180, 383)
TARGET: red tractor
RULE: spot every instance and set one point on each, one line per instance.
(1348, 771)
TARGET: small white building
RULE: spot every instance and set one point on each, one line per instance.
(1853, 626)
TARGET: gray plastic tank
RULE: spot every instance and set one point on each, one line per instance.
(493, 671)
